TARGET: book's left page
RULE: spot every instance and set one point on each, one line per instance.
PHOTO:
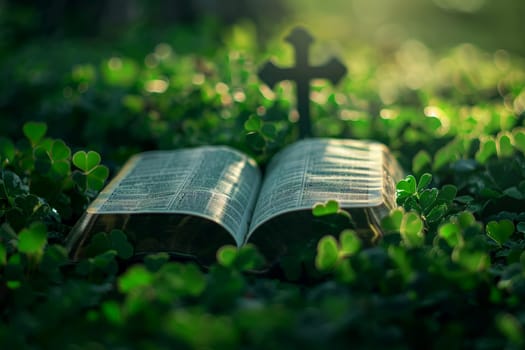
(174, 200)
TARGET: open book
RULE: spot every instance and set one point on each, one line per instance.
(192, 201)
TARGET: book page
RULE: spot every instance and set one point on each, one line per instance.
(316, 170)
(216, 183)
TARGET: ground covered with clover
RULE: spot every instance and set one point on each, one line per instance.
(448, 272)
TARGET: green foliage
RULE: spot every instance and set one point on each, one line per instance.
(327, 253)
(246, 258)
(332, 256)
(328, 208)
(500, 231)
(115, 240)
(92, 176)
(32, 240)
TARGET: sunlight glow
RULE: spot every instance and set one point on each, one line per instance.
(162, 51)
(198, 79)
(519, 103)
(114, 63)
(261, 110)
(228, 187)
(293, 116)
(467, 6)
(438, 113)
(388, 114)
(319, 97)
(239, 96)
(266, 92)
(221, 88)
(502, 60)
(151, 61)
(157, 86)
(347, 114)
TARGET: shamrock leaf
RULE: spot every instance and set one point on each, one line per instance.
(519, 139)
(33, 239)
(451, 233)
(350, 242)
(155, 261)
(93, 175)
(119, 242)
(424, 181)
(86, 161)
(116, 240)
(253, 124)
(427, 198)
(412, 229)
(34, 131)
(226, 255)
(328, 208)
(135, 277)
(97, 177)
(392, 222)
(42, 160)
(500, 231)
(327, 253)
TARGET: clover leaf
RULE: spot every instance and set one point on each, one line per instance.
(451, 233)
(328, 208)
(119, 242)
(226, 255)
(33, 239)
(135, 277)
(500, 231)
(116, 240)
(350, 243)
(86, 161)
(34, 131)
(93, 175)
(253, 124)
(327, 253)
(412, 229)
(155, 261)
(97, 177)
(392, 222)
(246, 258)
(519, 139)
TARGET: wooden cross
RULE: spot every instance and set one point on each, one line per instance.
(302, 73)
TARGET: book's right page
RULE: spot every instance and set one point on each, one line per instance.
(360, 175)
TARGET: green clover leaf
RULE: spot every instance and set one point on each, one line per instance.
(86, 161)
(350, 242)
(327, 208)
(97, 177)
(253, 124)
(500, 231)
(34, 131)
(135, 277)
(327, 253)
(119, 242)
(33, 239)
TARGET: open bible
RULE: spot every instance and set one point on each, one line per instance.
(192, 201)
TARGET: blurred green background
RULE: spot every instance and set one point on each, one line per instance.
(489, 24)
(439, 24)
(124, 76)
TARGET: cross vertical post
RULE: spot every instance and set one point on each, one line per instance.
(301, 74)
